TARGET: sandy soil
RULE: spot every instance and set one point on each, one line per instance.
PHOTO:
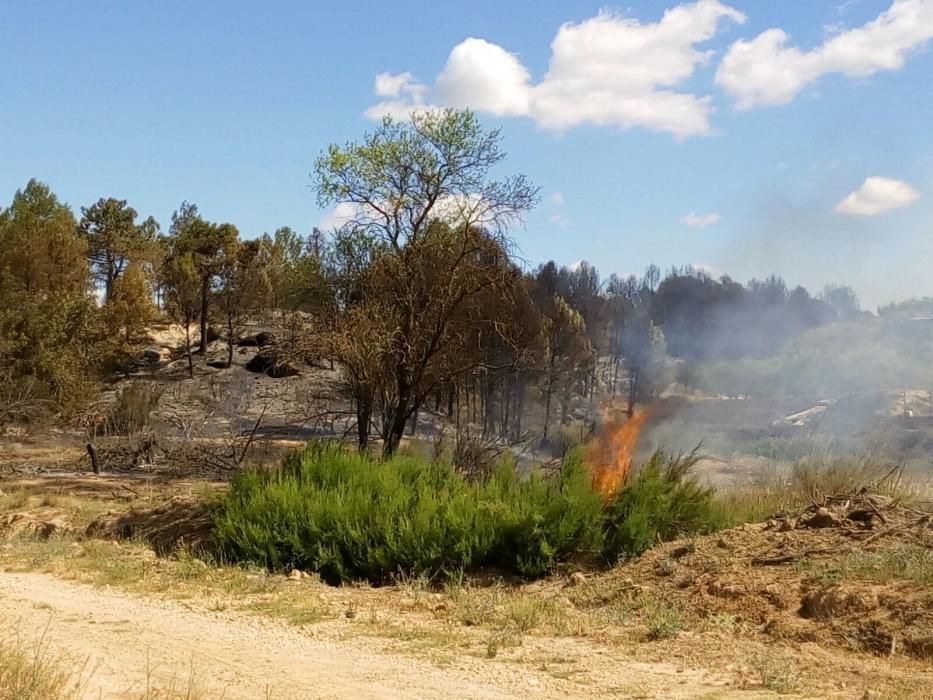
(127, 643)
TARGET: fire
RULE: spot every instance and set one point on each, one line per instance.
(610, 456)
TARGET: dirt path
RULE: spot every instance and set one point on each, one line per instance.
(130, 641)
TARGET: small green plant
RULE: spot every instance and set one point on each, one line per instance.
(662, 621)
(778, 671)
(724, 622)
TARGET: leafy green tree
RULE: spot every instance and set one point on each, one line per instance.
(130, 305)
(40, 253)
(182, 283)
(421, 193)
(114, 239)
(50, 330)
(205, 245)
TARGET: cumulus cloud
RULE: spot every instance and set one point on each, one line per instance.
(767, 70)
(403, 95)
(694, 220)
(877, 195)
(607, 70)
(338, 216)
(557, 199)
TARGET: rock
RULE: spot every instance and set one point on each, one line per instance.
(295, 575)
(151, 355)
(212, 334)
(823, 517)
(683, 550)
(576, 579)
(261, 339)
(272, 363)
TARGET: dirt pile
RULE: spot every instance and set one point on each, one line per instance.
(179, 522)
(41, 523)
(854, 571)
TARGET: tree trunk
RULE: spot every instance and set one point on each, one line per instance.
(364, 412)
(229, 342)
(205, 297)
(632, 392)
(393, 432)
(92, 453)
(188, 348)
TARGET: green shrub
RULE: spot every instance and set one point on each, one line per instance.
(347, 516)
(662, 503)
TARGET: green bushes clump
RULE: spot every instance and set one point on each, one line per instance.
(662, 503)
(347, 516)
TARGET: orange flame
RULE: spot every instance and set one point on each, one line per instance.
(610, 456)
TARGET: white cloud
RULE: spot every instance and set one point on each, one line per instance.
(876, 196)
(694, 220)
(767, 71)
(557, 199)
(338, 216)
(607, 70)
(703, 269)
(404, 96)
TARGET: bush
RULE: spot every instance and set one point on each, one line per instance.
(134, 405)
(347, 516)
(664, 502)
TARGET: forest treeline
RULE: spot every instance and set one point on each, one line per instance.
(417, 298)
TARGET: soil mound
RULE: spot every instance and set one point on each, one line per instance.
(179, 522)
(853, 570)
(42, 523)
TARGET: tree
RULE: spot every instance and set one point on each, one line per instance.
(568, 357)
(206, 246)
(643, 348)
(130, 304)
(50, 331)
(843, 301)
(420, 190)
(241, 286)
(114, 239)
(41, 253)
(183, 295)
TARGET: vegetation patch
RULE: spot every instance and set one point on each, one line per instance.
(347, 516)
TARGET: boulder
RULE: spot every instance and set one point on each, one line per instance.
(260, 339)
(272, 363)
(151, 355)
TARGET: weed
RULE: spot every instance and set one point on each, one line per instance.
(662, 621)
(723, 622)
(778, 671)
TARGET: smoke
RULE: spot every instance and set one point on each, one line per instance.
(803, 239)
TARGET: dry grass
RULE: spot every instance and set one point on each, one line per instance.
(905, 562)
(812, 479)
(32, 672)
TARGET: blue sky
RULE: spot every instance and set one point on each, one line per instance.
(630, 124)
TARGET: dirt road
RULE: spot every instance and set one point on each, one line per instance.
(128, 642)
